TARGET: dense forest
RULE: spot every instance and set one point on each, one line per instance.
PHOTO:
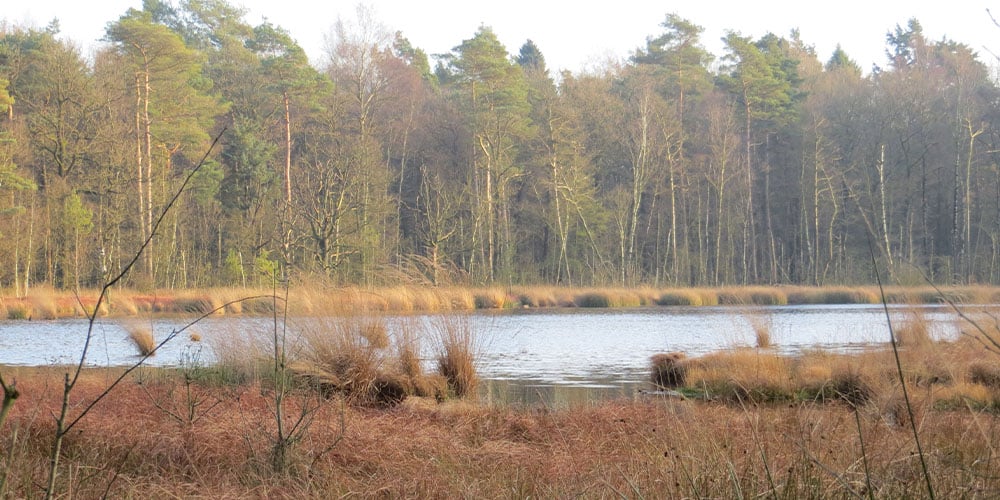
(765, 165)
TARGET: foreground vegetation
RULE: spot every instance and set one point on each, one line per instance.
(657, 447)
(45, 303)
(741, 423)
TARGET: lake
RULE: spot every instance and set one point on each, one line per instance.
(531, 354)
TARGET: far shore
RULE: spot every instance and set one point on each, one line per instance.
(46, 303)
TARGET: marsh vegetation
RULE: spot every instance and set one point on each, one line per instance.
(744, 421)
(746, 429)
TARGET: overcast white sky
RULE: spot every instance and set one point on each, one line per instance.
(574, 36)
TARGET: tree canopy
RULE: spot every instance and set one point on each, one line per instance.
(767, 163)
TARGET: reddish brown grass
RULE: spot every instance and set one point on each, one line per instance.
(654, 448)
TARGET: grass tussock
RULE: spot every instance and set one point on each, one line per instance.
(538, 296)
(681, 297)
(19, 310)
(457, 353)
(592, 299)
(242, 356)
(760, 325)
(143, 340)
(668, 369)
(742, 375)
(492, 298)
(913, 332)
(350, 363)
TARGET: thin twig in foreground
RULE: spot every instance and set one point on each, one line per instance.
(899, 371)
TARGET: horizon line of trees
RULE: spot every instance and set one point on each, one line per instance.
(674, 168)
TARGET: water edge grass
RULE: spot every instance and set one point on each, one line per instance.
(51, 304)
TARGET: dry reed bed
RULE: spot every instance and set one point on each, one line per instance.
(942, 375)
(44, 303)
(662, 448)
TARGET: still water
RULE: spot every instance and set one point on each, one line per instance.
(524, 351)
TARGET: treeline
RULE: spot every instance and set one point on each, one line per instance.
(764, 165)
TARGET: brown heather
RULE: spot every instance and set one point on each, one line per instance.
(652, 448)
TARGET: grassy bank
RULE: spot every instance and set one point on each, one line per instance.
(134, 446)
(43, 303)
(941, 375)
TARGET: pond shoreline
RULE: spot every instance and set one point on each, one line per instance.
(47, 304)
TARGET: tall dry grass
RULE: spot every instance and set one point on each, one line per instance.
(761, 324)
(940, 372)
(340, 349)
(361, 357)
(833, 295)
(457, 352)
(243, 355)
(17, 310)
(143, 340)
(753, 295)
(914, 331)
(493, 298)
(683, 297)
(668, 369)
(320, 299)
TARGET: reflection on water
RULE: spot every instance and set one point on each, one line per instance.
(547, 395)
(551, 357)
